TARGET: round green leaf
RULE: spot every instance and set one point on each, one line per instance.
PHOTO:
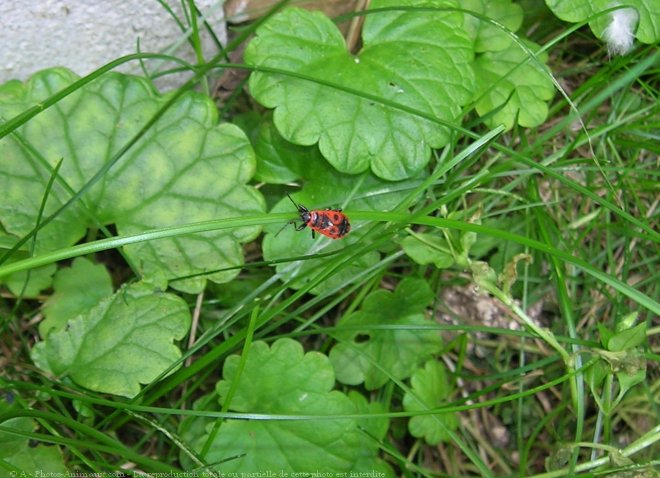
(185, 169)
(17, 451)
(278, 160)
(420, 59)
(283, 379)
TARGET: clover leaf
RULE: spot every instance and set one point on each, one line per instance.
(488, 37)
(626, 338)
(77, 289)
(419, 59)
(185, 169)
(283, 379)
(622, 356)
(430, 388)
(518, 90)
(371, 355)
(648, 30)
(120, 343)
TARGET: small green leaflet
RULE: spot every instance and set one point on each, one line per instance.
(430, 388)
(370, 352)
(513, 86)
(77, 289)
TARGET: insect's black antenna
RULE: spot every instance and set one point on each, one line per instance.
(290, 222)
(294, 202)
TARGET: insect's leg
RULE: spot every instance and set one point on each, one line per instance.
(301, 227)
(313, 236)
(283, 227)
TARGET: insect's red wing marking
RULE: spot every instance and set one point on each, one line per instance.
(331, 223)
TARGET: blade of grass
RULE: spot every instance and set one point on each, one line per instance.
(33, 243)
(235, 380)
(111, 243)
(565, 306)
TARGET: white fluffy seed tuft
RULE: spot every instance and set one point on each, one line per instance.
(620, 33)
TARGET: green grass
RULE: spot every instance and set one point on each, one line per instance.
(552, 234)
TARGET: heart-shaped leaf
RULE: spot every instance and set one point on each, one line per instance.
(416, 58)
(122, 342)
(185, 169)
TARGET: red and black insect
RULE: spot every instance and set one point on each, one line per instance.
(330, 222)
